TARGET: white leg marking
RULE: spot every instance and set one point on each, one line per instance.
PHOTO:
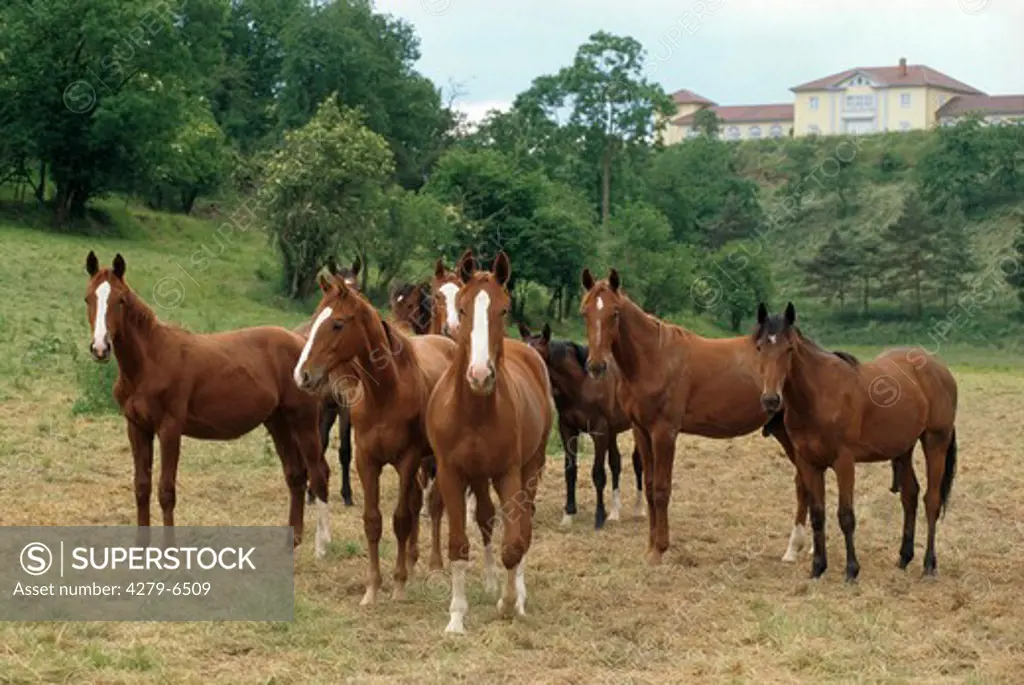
(323, 528)
(470, 506)
(639, 507)
(490, 570)
(567, 520)
(796, 543)
(459, 606)
(99, 334)
(425, 511)
(616, 505)
(450, 290)
(521, 587)
(297, 374)
(480, 337)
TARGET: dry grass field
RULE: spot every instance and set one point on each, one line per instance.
(722, 609)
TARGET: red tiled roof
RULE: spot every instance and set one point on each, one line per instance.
(917, 75)
(744, 113)
(989, 104)
(688, 97)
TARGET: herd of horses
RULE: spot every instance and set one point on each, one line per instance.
(458, 407)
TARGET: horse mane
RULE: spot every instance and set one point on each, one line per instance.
(562, 348)
(845, 356)
(776, 324)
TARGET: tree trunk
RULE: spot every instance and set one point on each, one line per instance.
(736, 319)
(41, 188)
(555, 296)
(606, 186)
(917, 294)
(867, 286)
(188, 200)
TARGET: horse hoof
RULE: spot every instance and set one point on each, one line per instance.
(566, 521)
(455, 626)
(789, 557)
(347, 499)
(905, 561)
(506, 607)
(614, 516)
(654, 558)
(369, 599)
(817, 571)
(599, 518)
(398, 594)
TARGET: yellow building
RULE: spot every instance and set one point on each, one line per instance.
(902, 97)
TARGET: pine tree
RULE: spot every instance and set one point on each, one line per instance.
(953, 261)
(830, 271)
(910, 246)
(1013, 268)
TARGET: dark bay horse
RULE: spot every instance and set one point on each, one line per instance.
(589, 406)
(388, 379)
(675, 381)
(333, 410)
(839, 412)
(413, 306)
(216, 386)
(488, 422)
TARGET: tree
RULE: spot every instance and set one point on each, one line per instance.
(322, 188)
(1013, 268)
(829, 273)
(416, 224)
(798, 167)
(612, 106)
(840, 176)
(953, 259)
(98, 106)
(910, 246)
(707, 123)
(737, 278)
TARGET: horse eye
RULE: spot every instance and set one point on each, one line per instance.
(338, 325)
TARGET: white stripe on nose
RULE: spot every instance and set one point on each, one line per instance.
(450, 290)
(99, 330)
(297, 373)
(479, 338)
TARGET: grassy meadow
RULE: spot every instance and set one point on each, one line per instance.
(722, 609)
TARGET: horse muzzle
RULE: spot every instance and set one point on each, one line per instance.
(101, 354)
(771, 402)
(597, 370)
(482, 379)
(310, 381)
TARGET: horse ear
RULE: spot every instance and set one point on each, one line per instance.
(588, 279)
(524, 332)
(762, 314)
(790, 314)
(439, 268)
(324, 278)
(119, 266)
(92, 264)
(466, 266)
(356, 266)
(332, 266)
(613, 280)
(546, 333)
(501, 268)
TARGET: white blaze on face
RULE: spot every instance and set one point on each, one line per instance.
(297, 374)
(449, 291)
(479, 338)
(99, 329)
(600, 306)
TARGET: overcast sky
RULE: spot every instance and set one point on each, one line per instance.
(731, 51)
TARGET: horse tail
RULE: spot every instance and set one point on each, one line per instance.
(949, 474)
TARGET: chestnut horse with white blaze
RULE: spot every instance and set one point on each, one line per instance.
(389, 377)
(215, 386)
(488, 421)
(839, 412)
(676, 381)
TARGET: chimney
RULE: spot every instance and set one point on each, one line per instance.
(903, 66)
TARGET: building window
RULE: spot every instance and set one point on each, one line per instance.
(692, 133)
(943, 99)
(814, 102)
(905, 100)
(732, 133)
(904, 125)
(754, 132)
(776, 131)
(813, 129)
(860, 103)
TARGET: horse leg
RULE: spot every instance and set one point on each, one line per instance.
(615, 464)
(513, 504)
(170, 448)
(530, 479)
(294, 473)
(600, 439)
(642, 440)
(814, 483)
(325, 419)
(638, 470)
(401, 520)
(485, 521)
(940, 460)
(369, 476)
(664, 443)
(307, 448)
(436, 506)
(345, 455)
(570, 441)
(797, 535)
(908, 490)
(845, 467)
(415, 507)
(453, 493)
(141, 442)
(897, 475)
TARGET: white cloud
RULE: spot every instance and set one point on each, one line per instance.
(476, 111)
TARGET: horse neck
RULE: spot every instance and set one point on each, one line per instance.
(425, 314)
(566, 375)
(379, 374)
(136, 337)
(800, 389)
(638, 339)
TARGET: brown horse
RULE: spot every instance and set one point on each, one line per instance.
(412, 306)
(388, 379)
(586, 405)
(216, 386)
(333, 409)
(676, 381)
(839, 412)
(445, 286)
(488, 421)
